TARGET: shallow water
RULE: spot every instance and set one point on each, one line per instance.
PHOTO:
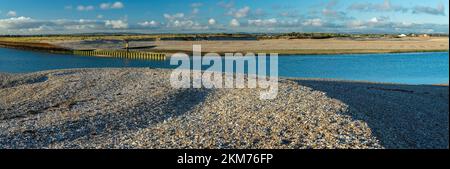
(408, 68)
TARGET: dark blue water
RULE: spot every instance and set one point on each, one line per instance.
(408, 68)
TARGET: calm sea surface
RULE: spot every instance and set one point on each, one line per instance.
(408, 68)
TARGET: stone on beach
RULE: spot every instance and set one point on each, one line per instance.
(137, 108)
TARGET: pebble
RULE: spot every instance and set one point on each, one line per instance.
(137, 108)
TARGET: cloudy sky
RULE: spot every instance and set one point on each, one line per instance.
(182, 16)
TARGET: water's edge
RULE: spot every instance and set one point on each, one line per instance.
(398, 68)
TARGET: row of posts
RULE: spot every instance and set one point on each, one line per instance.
(123, 54)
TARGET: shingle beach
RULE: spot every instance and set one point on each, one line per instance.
(137, 108)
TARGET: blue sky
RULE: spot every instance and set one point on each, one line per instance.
(182, 16)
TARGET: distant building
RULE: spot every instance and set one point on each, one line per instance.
(402, 35)
(424, 35)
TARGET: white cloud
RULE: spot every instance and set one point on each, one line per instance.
(12, 23)
(382, 24)
(195, 11)
(180, 21)
(185, 25)
(439, 10)
(356, 24)
(379, 24)
(115, 5)
(331, 12)
(313, 22)
(386, 6)
(116, 24)
(196, 8)
(149, 24)
(196, 5)
(174, 16)
(259, 12)
(290, 14)
(374, 20)
(212, 21)
(226, 5)
(290, 23)
(77, 25)
(405, 24)
(243, 12)
(235, 23)
(263, 22)
(28, 25)
(40, 29)
(11, 14)
(85, 8)
(378, 21)
(105, 5)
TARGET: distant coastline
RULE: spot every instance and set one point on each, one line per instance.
(234, 44)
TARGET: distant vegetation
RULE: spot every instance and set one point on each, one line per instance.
(296, 35)
(131, 37)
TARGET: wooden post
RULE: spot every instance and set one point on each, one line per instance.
(127, 45)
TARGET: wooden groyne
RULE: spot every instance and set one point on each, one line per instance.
(45, 47)
(122, 54)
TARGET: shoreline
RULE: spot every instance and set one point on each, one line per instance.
(222, 54)
(313, 52)
(361, 81)
(32, 46)
(280, 77)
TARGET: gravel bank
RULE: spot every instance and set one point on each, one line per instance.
(280, 46)
(400, 116)
(137, 108)
(3, 78)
